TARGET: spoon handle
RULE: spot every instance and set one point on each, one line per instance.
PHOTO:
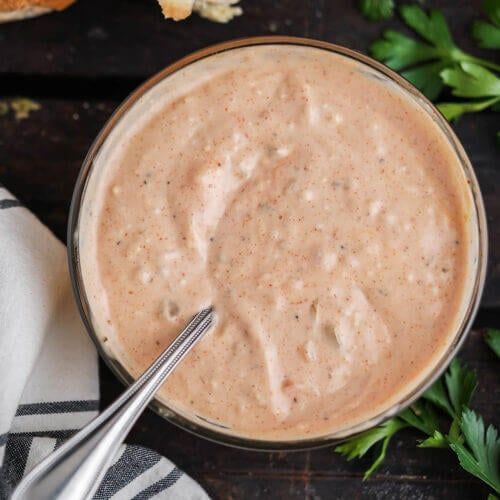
(76, 469)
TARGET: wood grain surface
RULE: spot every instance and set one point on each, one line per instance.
(79, 64)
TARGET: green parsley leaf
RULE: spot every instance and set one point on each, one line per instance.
(357, 446)
(399, 51)
(436, 394)
(421, 62)
(461, 384)
(422, 416)
(471, 80)
(486, 34)
(376, 10)
(431, 27)
(492, 9)
(480, 454)
(493, 337)
(427, 78)
(449, 394)
(454, 110)
(437, 440)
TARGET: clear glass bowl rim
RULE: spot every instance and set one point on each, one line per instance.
(246, 442)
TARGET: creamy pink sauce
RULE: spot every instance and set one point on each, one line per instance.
(315, 205)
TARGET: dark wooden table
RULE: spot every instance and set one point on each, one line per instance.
(79, 65)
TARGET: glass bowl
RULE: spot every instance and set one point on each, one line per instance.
(196, 424)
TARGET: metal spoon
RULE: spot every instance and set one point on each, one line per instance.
(76, 469)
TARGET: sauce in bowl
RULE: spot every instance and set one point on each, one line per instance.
(315, 205)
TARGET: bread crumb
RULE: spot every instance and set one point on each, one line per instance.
(20, 106)
(220, 11)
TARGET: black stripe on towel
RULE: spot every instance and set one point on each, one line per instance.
(62, 435)
(9, 204)
(59, 442)
(16, 455)
(57, 407)
(134, 461)
(3, 438)
(168, 481)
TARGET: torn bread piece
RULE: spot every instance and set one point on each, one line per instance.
(15, 10)
(220, 11)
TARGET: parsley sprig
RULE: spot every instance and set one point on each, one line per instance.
(477, 448)
(473, 81)
(376, 10)
(421, 62)
(479, 451)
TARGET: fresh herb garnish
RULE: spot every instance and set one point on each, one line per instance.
(422, 62)
(470, 80)
(488, 34)
(376, 10)
(457, 390)
(477, 449)
(435, 61)
(454, 110)
(360, 444)
(479, 452)
(493, 340)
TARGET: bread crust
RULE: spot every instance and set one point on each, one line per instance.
(16, 10)
(176, 9)
(19, 5)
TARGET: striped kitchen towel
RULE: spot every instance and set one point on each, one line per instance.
(49, 384)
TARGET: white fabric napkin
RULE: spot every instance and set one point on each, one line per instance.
(49, 383)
